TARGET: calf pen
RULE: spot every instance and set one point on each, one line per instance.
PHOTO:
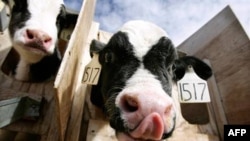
(69, 115)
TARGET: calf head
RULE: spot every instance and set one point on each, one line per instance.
(139, 67)
(34, 28)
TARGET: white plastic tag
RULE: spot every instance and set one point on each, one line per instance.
(192, 89)
(92, 71)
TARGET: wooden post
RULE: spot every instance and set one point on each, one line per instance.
(67, 80)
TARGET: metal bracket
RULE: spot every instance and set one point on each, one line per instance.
(17, 108)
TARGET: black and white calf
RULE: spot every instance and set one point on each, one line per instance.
(34, 27)
(139, 67)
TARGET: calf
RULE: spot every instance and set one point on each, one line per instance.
(34, 27)
(140, 66)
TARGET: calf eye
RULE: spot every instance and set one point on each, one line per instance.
(109, 57)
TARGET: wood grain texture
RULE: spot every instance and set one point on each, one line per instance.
(66, 84)
(74, 127)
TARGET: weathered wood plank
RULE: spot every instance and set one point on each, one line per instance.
(17, 108)
(208, 32)
(5, 45)
(48, 110)
(104, 36)
(65, 84)
(100, 130)
(74, 126)
(217, 111)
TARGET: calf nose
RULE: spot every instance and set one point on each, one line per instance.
(147, 113)
(144, 104)
(38, 37)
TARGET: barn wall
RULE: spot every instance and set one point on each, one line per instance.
(225, 44)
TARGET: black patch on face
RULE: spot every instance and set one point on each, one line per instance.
(201, 69)
(45, 68)
(19, 15)
(159, 62)
(118, 65)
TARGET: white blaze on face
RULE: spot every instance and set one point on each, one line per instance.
(142, 35)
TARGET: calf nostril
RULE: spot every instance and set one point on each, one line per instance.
(47, 40)
(130, 104)
(38, 37)
(30, 34)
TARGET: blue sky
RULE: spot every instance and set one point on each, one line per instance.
(180, 18)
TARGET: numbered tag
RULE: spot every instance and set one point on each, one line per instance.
(92, 71)
(192, 89)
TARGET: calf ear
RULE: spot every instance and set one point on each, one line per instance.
(61, 19)
(20, 5)
(96, 46)
(201, 68)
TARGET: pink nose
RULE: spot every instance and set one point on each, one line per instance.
(147, 113)
(38, 38)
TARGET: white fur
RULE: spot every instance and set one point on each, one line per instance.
(142, 35)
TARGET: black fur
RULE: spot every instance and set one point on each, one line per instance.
(61, 19)
(45, 68)
(200, 68)
(159, 62)
(19, 15)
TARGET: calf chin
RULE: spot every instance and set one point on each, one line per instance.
(37, 72)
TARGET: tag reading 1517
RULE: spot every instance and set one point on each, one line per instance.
(92, 71)
(192, 89)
